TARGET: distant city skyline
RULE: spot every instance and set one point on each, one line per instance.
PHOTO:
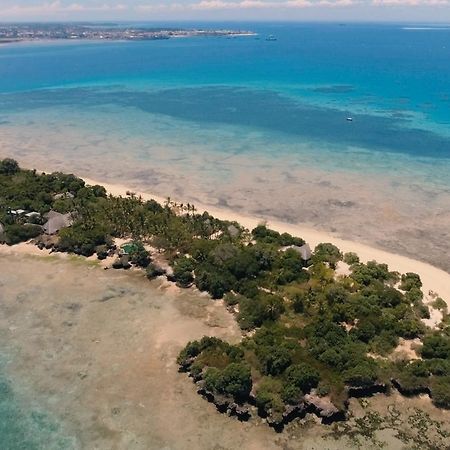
(299, 10)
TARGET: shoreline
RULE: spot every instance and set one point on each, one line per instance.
(435, 280)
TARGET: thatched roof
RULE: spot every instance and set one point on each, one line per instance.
(304, 250)
(56, 221)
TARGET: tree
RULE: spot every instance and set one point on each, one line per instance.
(302, 376)
(440, 392)
(274, 360)
(234, 380)
(326, 252)
(182, 271)
(9, 166)
(351, 258)
(436, 346)
(362, 375)
(237, 380)
(410, 280)
(138, 255)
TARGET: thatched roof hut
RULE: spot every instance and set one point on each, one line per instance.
(304, 250)
(56, 221)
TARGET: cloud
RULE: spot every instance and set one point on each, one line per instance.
(211, 5)
(67, 9)
(57, 7)
(411, 2)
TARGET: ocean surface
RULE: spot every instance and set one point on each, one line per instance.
(254, 125)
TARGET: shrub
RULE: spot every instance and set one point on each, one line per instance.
(182, 271)
(234, 380)
(351, 258)
(16, 233)
(410, 280)
(152, 271)
(138, 255)
(8, 166)
(440, 392)
(436, 346)
(363, 374)
(268, 395)
(302, 376)
(274, 360)
(327, 252)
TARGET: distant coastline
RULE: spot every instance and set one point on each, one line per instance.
(15, 33)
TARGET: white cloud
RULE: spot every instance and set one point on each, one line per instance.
(211, 5)
(56, 7)
(411, 2)
(66, 9)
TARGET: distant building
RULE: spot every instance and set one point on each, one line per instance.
(56, 221)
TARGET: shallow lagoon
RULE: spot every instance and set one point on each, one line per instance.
(88, 361)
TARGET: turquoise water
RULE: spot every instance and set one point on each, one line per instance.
(232, 109)
(23, 426)
(395, 82)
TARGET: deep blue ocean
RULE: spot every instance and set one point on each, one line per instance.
(241, 96)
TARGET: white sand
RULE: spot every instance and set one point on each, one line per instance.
(434, 280)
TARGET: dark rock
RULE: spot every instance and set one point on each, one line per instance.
(324, 408)
(242, 412)
(366, 391)
(291, 412)
(277, 421)
(186, 364)
(410, 391)
(121, 263)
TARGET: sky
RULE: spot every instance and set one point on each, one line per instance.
(418, 11)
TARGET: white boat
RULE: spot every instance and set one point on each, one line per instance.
(349, 119)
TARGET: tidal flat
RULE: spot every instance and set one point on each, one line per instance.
(88, 361)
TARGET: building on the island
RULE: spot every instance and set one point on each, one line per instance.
(233, 230)
(32, 215)
(304, 250)
(56, 221)
(17, 212)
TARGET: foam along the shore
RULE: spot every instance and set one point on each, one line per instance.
(435, 281)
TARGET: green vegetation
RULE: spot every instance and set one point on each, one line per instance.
(311, 331)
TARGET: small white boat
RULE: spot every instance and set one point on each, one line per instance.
(349, 119)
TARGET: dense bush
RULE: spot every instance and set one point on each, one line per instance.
(235, 380)
(16, 233)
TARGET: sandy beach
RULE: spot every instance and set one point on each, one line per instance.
(435, 280)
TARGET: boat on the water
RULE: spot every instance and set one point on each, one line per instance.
(271, 37)
(349, 119)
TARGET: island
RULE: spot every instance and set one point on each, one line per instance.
(318, 326)
(10, 33)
